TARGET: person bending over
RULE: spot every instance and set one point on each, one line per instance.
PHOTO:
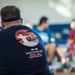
(22, 51)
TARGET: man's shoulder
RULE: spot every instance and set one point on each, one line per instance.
(14, 29)
(48, 31)
(36, 29)
(2, 31)
(1, 28)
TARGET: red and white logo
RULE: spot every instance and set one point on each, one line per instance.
(26, 38)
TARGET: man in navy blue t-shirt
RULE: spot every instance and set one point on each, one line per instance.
(22, 51)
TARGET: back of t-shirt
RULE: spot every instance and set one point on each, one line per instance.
(22, 52)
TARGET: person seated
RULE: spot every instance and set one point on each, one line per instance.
(21, 49)
(70, 54)
(47, 37)
(71, 38)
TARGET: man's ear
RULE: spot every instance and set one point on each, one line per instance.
(2, 24)
(21, 20)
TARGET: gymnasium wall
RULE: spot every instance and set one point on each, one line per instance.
(32, 10)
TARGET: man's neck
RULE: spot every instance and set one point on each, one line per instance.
(41, 28)
(13, 24)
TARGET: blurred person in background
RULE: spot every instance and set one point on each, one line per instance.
(71, 38)
(47, 37)
(70, 54)
(21, 49)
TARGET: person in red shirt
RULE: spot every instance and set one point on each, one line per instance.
(71, 38)
(71, 45)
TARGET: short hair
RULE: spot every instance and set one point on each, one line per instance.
(43, 20)
(8, 12)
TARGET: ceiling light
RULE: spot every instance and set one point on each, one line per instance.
(63, 11)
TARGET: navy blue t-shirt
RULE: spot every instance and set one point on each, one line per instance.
(22, 52)
(1, 29)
